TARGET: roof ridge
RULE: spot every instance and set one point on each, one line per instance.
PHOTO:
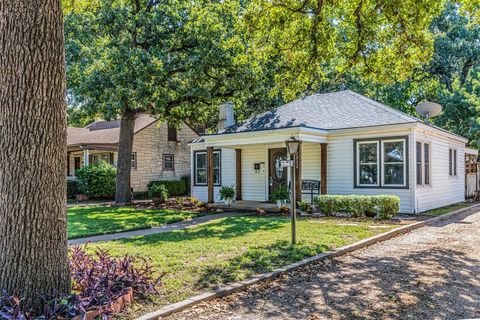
(381, 106)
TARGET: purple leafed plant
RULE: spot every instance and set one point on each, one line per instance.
(97, 280)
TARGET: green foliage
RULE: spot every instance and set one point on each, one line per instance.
(451, 77)
(158, 191)
(175, 59)
(188, 182)
(387, 206)
(227, 193)
(383, 40)
(382, 206)
(72, 188)
(174, 187)
(305, 206)
(281, 194)
(97, 180)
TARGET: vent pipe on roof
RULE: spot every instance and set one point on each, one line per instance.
(226, 116)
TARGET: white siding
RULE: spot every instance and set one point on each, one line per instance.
(444, 189)
(228, 169)
(310, 164)
(254, 184)
(340, 169)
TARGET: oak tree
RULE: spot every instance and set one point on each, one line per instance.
(33, 237)
(173, 59)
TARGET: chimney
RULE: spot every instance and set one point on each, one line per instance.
(226, 116)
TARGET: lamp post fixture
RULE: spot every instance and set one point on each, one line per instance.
(292, 150)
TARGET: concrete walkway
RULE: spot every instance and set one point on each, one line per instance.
(166, 228)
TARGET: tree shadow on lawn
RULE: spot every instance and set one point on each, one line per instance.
(225, 228)
(427, 284)
(89, 221)
(257, 260)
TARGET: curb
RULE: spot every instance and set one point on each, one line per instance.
(240, 285)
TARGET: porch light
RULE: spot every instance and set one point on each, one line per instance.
(292, 145)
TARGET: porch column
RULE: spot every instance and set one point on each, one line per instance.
(298, 173)
(238, 177)
(86, 157)
(210, 174)
(323, 168)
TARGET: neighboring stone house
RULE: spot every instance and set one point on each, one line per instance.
(160, 152)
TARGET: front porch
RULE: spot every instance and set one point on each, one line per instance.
(83, 156)
(254, 168)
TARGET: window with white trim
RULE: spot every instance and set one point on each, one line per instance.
(201, 168)
(381, 162)
(423, 163)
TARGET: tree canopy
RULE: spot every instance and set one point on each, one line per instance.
(450, 78)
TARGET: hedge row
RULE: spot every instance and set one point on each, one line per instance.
(174, 187)
(381, 206)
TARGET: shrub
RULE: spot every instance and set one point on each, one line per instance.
(387, 206)
(72, 188)
(158, 191)
(327, 204)
(97, 280)
(97, 180)
(227, 193)
(382, 206)
(175, 188)
(305, 206)
(188, 182)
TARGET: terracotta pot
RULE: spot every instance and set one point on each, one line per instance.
(117, 306)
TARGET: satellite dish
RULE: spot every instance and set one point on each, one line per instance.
(428, 110)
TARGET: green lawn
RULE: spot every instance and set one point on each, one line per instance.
(94, 220)
(447, 209)
(200, 258)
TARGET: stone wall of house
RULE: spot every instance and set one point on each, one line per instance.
(150, 145)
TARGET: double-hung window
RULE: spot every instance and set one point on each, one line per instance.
(368, 163)
(201, 168)
(423, 163)
(381, 162)
(168, 162)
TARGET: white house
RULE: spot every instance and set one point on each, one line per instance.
(350, 143)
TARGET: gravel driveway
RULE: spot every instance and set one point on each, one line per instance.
(430, 273)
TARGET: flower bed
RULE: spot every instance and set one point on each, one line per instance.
(102, 285)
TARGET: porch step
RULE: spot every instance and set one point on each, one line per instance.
(247, 206)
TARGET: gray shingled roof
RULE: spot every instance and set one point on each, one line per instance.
(103, 132)
(328, 111)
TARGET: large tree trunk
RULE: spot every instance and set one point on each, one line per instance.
(123, 194)
(33, 226)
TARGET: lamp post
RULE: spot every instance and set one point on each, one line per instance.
(292, 150)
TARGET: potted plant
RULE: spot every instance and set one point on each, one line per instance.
(227, 194)
(305, 207)
(281, 196)
(158, 193)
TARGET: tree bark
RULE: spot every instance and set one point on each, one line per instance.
(123, 194)
(33, 225)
